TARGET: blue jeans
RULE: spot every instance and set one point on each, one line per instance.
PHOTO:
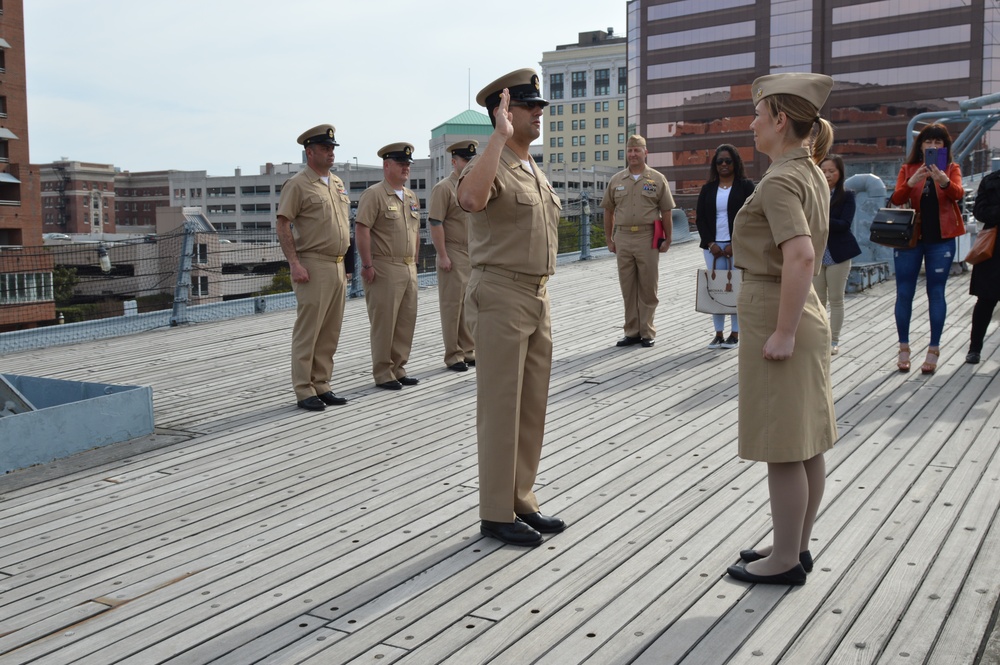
(938, 257)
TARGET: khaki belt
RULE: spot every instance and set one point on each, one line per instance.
(750, 277)
(636, 227)
(322, 257)
(407, 260)
(516, 276)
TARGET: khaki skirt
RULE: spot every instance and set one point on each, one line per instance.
(785, 406)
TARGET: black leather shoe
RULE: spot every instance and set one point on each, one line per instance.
(512, 533)
(311, 404)
(329, 398)
(647, 342)
(794, 577)
(470, 363)
(805, 558)
(409, 381)
(390, 385)
(542, 523)
(458, 367)
(972, 357)
(628, 341)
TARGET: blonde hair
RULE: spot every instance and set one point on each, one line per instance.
(803, 116)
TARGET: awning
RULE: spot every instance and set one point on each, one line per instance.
(3, 43)
(6, 177)
(7, 134)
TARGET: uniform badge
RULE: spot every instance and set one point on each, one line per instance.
(392, 208)
(534, 81)
(407, 151)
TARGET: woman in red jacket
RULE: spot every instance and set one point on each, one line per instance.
(934, 193)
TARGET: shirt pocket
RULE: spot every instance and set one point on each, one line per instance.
(527, 207)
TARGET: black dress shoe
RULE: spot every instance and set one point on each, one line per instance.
(805, 558)
(512, 533)
(311, 404)
(460, 366)
(542, 523)
(409, 381)
(470, 363)
(628, 341)
(390, 385)
(648, 342)
(794, 577)
(329, 398)
(972, 357)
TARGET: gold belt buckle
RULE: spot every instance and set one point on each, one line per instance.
(340, 259)
(542, 281)
(408, 260)
(634, 229)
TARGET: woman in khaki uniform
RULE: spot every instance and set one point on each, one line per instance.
(786, 415)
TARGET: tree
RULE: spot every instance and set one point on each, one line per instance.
(64, 281)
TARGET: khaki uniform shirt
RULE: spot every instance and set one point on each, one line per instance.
(319, 212)
(394, 224)
(637, 202)
(444, 208)
(519, 228)
(792, 199)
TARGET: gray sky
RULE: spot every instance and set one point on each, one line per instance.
(220, 84)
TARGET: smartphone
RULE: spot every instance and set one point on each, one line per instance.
(936, 156)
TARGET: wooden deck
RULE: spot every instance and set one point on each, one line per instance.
(249, 531)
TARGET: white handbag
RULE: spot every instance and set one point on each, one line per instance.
(718, 289)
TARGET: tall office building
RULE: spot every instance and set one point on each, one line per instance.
(585, 83)
(691, 63)
(26, 294)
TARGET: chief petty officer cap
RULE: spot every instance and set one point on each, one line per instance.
(397, 152)
(318, 134)
(523, 85)
(814, 88)
(464, 149)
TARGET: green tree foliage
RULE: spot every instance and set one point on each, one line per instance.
(280, 283)
(64, 281)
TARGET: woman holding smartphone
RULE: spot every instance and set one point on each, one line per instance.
(934, 193)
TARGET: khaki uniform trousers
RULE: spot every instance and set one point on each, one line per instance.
(639, 277)
(458, 344)
(512, 329)
(319, 316)
(392, 313)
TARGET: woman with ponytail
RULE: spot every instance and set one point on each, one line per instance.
(786, 416)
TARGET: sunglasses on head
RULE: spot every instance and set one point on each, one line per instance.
(723, 160)
(528, 105)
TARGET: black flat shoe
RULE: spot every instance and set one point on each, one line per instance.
(647, 342)
(470, 363)
(329, 398)
(542, 523)
(458, 367)
(794, 577)
(805, 558)
(628, 341)
(311, 404)
(512, 533)
(972, 358)
(409, 381)
(390, 385)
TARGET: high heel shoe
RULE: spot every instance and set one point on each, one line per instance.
(903, 363)
(928, 367)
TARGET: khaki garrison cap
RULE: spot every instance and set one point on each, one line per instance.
(397, 152)
(464, 149)
(318, 134)
(523, 85)
(636, 141)
(814, 88)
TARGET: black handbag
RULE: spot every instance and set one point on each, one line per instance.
(895, 227)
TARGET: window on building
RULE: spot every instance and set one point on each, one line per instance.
(621, 155)
(606, 120)
(583, 124)
(604, 155)
(559, 141)
(602, 82)
(196, 193)
(556, 86)
(560, 125)
(199, 285)
(576, 140)
(559, 158)
(583, 140)
(597, 139)
(621, 138)
(552, 157)
(622, 83)
(597, 155)
(621, 104)
(552, 142)
(25, 287)
(574, 156)
(552, 125)
(579, 84)
(576, 125)
(202, 253)
(621, 121)
(560, 112)
(605, 137)
(3, 106)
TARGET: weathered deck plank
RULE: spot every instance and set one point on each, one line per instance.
(273, 535)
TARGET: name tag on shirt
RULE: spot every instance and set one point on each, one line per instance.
(620, 188)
